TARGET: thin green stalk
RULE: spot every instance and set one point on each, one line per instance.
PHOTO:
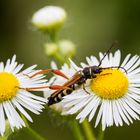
(59, 58)
(101, 134)
(88, 131)
(54, 39)
(76, 130)
(53, 36)
(34, 134)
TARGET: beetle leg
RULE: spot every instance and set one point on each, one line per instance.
(84, 88)
(53, 87)
(57, 72)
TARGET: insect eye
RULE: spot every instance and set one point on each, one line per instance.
(97, 70)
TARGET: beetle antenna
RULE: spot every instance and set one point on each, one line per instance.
(112, 45)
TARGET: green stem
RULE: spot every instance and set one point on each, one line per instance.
(59, 58)
(88, 131)
(53, 36)
(30, 131)
(54, 39)
(76, 130)
(101, 134)
(34, 134)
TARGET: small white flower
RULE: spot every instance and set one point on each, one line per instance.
(49, 17)
(114, 95)
(13, 99)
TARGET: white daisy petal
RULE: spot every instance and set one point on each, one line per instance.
(99, 114)
(117, 113)
(131, 62)
(123, 116)
(27, 106)
(96, 104)
(2, 120)
(22, 110)
(117, 58)
(8, 116)
(94, 60)
(134, 72)
(74, 65)
(111, 60)
(122, 106)
(125, 60)
(1, 66)
(83, 65)
(7, 65)
(90, 63)
(53, 65)
(79, 106)
(134, 66)
(86, 110)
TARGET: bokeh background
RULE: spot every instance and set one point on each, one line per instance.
(92, 25)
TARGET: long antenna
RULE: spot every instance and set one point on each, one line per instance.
(112, 45)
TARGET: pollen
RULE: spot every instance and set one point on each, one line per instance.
(110, 84)
(8, 86)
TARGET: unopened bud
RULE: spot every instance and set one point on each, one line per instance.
(67, 48)
(49, 18)
(51, 49)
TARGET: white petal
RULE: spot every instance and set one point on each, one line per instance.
(117, 113)
(91, 63)
(134, 66)
(2, 120)
(96, 104)
(9, 116)
(22, 110)
(87, 109)
(123, 116)
(121, 103)
(79, 105)
(131, 62)
(27, 106)
(94, 60)
(125, 60)
(74, 65)
(99, 114)
(84, 65)
(117, 58)
(1, 67)
(53, 65)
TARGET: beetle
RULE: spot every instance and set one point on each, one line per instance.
(77, 80)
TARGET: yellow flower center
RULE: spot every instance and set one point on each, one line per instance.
(110, 84)
(8, 86)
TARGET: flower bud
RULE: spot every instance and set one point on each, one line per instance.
(67, 48)
(49, 18)
(51, 49)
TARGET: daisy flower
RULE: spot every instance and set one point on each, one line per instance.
(14, 98)
(113, 96)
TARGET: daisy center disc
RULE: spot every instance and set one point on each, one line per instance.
(8, 86)
(110, 84)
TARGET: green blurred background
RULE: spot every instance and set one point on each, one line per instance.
(92, 25)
